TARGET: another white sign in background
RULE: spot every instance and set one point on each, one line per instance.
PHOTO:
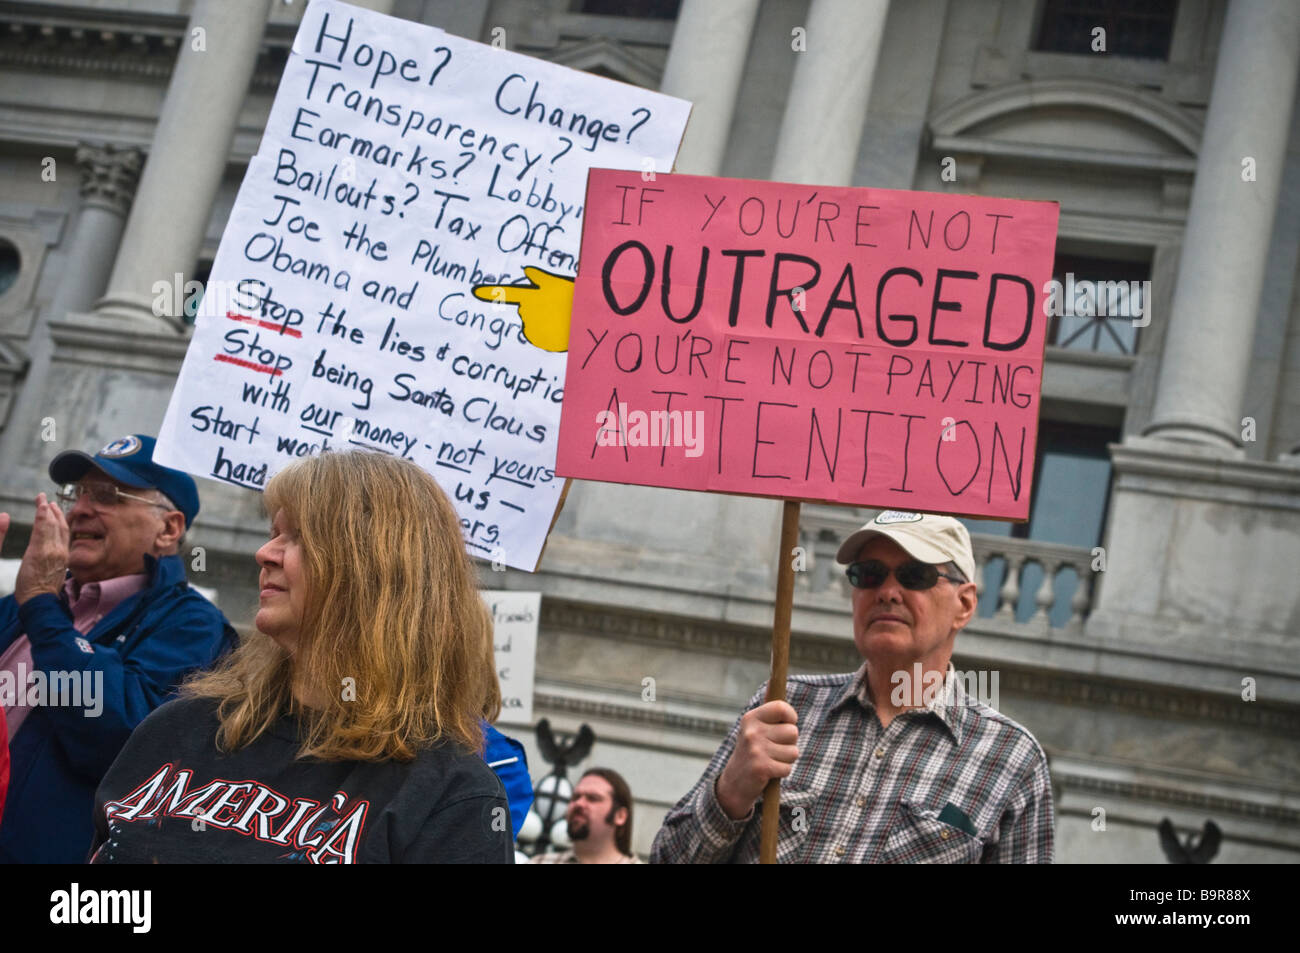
(400, 167)
(515, 616)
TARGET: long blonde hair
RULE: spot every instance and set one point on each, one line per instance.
(395, 645)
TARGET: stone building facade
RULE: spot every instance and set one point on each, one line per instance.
(1142, 624)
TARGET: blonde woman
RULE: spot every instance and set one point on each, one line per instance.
(349, 728)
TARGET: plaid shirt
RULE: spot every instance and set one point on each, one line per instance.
(954, 782)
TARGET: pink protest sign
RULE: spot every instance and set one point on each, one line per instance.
(859, 346)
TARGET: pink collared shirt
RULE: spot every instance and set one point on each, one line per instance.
(89, 603)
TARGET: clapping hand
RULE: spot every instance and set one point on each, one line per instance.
(46, 560)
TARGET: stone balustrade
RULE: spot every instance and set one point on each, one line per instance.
(1010, 560)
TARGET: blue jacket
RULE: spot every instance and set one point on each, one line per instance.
(143, 648)
(507, 758)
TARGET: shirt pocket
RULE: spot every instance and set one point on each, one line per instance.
(796, 819)
(919, 837)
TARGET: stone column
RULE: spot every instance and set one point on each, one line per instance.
(827, 106)
(1211, 331)
(108, 181)
(187, 159)
(705, 63)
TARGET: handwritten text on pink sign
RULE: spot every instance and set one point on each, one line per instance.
(861, 346)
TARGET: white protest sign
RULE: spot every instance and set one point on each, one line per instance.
(402, 166)
(514, 617)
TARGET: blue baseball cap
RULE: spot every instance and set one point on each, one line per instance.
(129, 460)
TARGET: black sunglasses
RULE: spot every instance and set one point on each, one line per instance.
(872, 573)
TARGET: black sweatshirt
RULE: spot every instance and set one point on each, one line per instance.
(171, 797)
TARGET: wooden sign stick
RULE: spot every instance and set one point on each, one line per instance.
(780, 662)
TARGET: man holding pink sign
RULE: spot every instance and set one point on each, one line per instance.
(856, 346)
(879, 766)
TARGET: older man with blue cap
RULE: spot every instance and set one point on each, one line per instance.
(100, 629)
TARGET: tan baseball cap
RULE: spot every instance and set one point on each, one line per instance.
(929, 538)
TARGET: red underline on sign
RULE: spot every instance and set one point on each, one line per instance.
(247, 319)
(273, 371)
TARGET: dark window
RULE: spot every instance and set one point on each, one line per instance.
(1132, 29)
(10, 263)
(1096, 302)
(644, 9)
(1071, 493)
(201, 274)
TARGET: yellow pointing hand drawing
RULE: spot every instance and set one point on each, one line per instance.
(545, 306)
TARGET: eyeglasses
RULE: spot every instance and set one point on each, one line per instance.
(101, 494)
(915, 575)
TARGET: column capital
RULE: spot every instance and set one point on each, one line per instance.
(109, 175)
(187, 159)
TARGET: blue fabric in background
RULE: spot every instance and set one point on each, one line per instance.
(513, 773)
